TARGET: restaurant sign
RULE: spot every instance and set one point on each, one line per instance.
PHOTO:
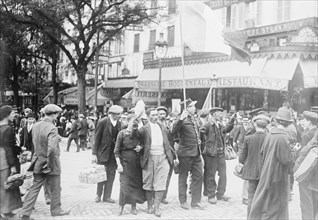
(72, 97)
(224, 82)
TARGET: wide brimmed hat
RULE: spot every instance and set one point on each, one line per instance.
(256, 111)
(284, 114)
(51, 108)
(214, 109)
(189, 102)
(116, 109)
(314, 109)
(311, 116)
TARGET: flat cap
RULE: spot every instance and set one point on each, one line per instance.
(188, 102)
(203, 113)
(27, 110)
(256, 111)
(214, 109)
(81, 116)
(262, 118)
(311, 116)
(116, 109)
(51, 108)
(31, 115)
(162, 108)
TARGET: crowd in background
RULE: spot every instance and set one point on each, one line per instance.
(145, 147)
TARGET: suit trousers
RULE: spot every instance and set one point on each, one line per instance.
(193, 165)
(213, 165)
(69, 141)
(252, 185)
(168, 182)
(308, 201)
(107, 186)
(83, 141)
(54, 183)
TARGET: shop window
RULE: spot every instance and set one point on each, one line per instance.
(154, 5)
(152, 39)
(281, 41)
(171, 36)
(136, 43)
(272, 42)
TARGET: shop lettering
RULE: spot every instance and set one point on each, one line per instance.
(215, 4)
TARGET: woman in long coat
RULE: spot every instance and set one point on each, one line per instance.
(272, 194)
(128, 159)
(9, 164)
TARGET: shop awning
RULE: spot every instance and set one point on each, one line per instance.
(263, 73)
(310, 72)
(100, 97)
(120, 83)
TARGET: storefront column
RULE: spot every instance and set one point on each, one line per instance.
(265, 102)
(213, 97)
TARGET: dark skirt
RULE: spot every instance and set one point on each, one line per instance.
(131, 191)
(10, 199)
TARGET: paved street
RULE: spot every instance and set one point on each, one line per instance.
(79, 198)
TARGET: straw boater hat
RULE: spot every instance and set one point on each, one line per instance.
(162, 108)
(311, 116)
(284, 114)
(215, 109)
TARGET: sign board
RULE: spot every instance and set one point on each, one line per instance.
(72, 97)
(216, 4)
(148, 96)
(224, 82)
(306, 35)
(281, 27)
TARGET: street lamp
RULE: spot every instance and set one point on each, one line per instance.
(161, 48)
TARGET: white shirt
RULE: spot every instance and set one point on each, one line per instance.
(114, 122)
(156, 139)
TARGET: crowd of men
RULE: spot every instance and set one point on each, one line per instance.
(193, 144)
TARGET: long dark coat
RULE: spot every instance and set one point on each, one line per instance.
(272, 193)
(103, 140)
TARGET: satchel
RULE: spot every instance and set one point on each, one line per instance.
(308, 164)
(229, 152)
(14, 181)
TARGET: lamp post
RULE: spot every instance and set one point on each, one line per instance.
(161, 48)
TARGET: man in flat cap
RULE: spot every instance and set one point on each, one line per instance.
(162, 116)
(213, 155)
(309, 124)
(45, 163)
(250, 128)
(103, 150)
(186, 128)
(82, 131)
(250, 156)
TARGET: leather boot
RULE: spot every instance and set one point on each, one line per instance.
(149, 197)
(158, 198)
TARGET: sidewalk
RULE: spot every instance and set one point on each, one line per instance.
(79, 198)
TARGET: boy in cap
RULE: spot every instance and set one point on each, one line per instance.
(45, 163)
(189, 155)
(250, 156)
(82, 131)
(103, 150)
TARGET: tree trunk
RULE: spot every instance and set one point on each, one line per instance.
(54, 83)
(81, 89)
(16, 69)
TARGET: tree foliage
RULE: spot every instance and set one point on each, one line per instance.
(77, 23)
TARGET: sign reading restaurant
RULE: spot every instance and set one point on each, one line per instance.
(224, 82)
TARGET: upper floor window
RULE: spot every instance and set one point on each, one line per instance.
(233, 16)
(152, 39)
(153, 6)
(259, 12)
(171, 36)
(136, 43)
(172, 7)
(283, 10)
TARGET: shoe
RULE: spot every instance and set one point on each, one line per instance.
(25, 217)
(48, 202)
(150, 209)
(97, 199)
(245, 201)
(109, 200)
(212, 200)
(224, 198)
(197, 206)
(164, 202)
(157, 213)
(61, 213)
(121, 210)
(66, 151)
(133, 211)
(184, 206)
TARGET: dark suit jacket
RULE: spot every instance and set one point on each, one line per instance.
(82, 127)
(46, 147)
(26, 139)
(144, 135)
(103, 140)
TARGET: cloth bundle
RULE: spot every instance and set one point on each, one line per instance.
(14, 181)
